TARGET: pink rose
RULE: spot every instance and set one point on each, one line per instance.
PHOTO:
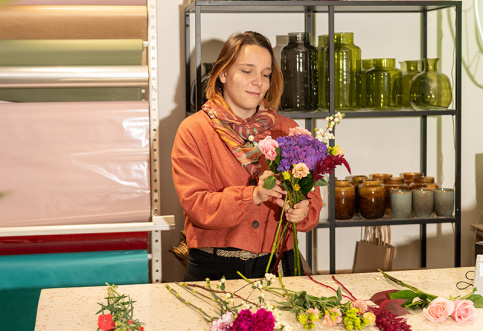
(298, 131)
(438, 310)
(464, 310)
(268, 147)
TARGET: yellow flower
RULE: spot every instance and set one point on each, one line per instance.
(286, 175)
(296, 187)
(370, 317)
(336, 150)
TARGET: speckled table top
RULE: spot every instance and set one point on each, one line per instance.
(75, 308)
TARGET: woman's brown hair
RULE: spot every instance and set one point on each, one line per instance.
(227, 57)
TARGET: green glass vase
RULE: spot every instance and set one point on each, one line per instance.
(366, 65)
(323, 42)
(430, 89)
(412, 69)
(347, 67)
(384, 85)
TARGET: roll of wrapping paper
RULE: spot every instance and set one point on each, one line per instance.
(60, 52)
(79, 76)
(74, 269)
(73, 94)
(73, 22)
(77, 2)
(74, 163)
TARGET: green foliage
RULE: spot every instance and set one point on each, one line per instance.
(270, 182)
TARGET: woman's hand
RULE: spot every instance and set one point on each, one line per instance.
(296, 214)
(261, 194)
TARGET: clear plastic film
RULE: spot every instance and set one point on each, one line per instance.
(74, 163)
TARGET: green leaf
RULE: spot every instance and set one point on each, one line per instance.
(477, 300)
(405, 294)
(270, 182)
(306, 184)
(321, 182)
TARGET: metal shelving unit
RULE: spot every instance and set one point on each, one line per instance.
(331, 9)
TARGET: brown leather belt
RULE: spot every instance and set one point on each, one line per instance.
(241, 254)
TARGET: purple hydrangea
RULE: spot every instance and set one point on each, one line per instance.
(300, 149)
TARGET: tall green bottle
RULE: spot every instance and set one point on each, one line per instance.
(347, 66)
(323, 42)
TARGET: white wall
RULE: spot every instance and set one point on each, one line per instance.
(389, 145)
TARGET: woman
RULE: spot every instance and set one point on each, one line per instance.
(219, 173)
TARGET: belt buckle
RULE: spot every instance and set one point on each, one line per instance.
(244, 255)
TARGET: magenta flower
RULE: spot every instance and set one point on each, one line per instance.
(268, 146)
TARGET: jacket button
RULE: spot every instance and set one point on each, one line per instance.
(252, 182)
(255, 224)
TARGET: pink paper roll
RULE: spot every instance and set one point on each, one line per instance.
(80, 2)
(74, 163)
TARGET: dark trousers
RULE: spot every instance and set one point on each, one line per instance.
(202, 265)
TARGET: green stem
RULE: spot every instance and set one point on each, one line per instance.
(275, 241)
(206, 317)
(430, 297)
(297, 270)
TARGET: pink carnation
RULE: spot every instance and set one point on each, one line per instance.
(300, 170)
(268, 147)
(464, 310)
(298, 131)
(361, 305)
(333, 318)
(224, 323)
(438, 310)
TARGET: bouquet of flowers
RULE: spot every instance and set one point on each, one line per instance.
(120, 316)
(300, 161)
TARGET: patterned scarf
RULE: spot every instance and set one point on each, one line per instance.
(235, 131)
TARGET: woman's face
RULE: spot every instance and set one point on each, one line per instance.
(247, 80)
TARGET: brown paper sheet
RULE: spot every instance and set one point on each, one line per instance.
(73, 22)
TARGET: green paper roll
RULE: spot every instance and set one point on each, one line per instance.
(72, 94)
(35, 271)
(71, 52)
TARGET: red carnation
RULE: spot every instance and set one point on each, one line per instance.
(105, 322)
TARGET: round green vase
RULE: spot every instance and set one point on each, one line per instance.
(430, 89)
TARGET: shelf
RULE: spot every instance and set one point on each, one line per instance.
(318, 6)
(365, 113)
(358, 221)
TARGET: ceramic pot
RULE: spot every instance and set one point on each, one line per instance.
(371, 199)
(401, 203)
(345, 200)
(444, 202)
(393, 183)
(423, 202)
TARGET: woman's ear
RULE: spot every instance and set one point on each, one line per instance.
(222, 77)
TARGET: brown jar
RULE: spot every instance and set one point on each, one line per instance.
(409, 176)
(423, 182)
(393, 183)
(371, 199)
(381, 177)
(356, 182)
(345, 200)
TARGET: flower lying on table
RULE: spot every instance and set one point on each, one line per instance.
(258, 314)
(300, 161)
(435, 308)
(120, 308)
